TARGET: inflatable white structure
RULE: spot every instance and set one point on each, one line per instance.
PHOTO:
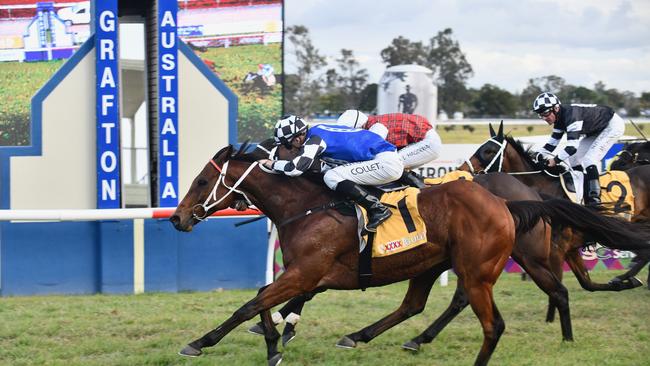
(408, 89)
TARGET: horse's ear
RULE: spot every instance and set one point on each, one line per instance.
(492, 133)
(500, 133)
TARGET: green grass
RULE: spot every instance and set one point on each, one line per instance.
(609, 328)
(456, 134)
(19, 81)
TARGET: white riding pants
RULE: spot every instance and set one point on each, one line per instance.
(384, 168)
(422, 152)
(592, 150)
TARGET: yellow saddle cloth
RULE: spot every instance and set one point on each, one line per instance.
(404, 230)
(616, 193)
(449, 177)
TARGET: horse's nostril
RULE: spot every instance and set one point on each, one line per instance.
(175, 220)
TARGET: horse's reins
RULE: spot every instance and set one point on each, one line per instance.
(206, 206)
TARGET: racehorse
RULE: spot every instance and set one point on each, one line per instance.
(633, 155)
(531, 252)
(321, 249)
(505, 154)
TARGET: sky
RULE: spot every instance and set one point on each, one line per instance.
(507, 42)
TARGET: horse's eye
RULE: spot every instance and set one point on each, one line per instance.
(201, 182)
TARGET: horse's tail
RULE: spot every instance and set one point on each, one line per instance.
(612, 232)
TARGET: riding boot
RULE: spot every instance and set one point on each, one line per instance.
(412, 179)
(377, 213)
(593, 186)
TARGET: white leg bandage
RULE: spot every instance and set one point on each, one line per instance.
(277, 318)
(292, 318)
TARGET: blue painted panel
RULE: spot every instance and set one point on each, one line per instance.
(49, 258)
(216, 254)
(160, 256)
(116, 249)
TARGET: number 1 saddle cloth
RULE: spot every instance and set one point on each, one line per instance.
(404, 230)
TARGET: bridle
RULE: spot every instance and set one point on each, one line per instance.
(206, 206)
(498, 157)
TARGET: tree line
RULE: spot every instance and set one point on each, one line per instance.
(317, 87)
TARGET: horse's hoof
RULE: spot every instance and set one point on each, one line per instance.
(190, 351)
(256, 329)
(288, 337)
(411, 346)
(275, 360)
(635, 282)
(346, 342)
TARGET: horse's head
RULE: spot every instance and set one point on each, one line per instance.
(489, 156)
(632, 155)
(215, 188)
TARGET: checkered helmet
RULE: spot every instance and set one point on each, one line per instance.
(544, 102)
(287, 127)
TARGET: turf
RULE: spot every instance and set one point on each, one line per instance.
(609, 328)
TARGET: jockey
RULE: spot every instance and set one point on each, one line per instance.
(417, 140)
(591, 131)
(371, 159)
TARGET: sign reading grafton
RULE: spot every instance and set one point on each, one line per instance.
(108, 111)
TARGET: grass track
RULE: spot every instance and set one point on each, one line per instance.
(609, 328)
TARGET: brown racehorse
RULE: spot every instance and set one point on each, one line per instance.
(531, 251)
(321, 250)
(503, 153)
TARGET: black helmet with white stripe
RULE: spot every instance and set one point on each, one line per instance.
(287, 128)
(545, 102)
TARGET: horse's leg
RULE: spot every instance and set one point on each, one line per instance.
(283, 289)
(557, 293)
(458, 303)
(292, 315)
(479, 293)
(413, 303)
(574, 259)
(556, 261)
(628, 279)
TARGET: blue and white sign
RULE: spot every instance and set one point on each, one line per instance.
(108, 111)
(167, 104)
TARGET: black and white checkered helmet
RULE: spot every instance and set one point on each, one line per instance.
(287, 127)
(544, 102)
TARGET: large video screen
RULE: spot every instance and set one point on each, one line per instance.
(35, 39)
(241, 42)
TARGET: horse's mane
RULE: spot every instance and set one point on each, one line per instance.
(529, 157)
(525, 153)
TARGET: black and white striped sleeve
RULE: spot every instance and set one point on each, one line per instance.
(573, 132)
(552, 143)
(305, 159)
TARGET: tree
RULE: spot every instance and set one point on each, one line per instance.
(402, 51)
(494, 102)
(352, 79)
(451, 68)
(303, 95)
(368, 100)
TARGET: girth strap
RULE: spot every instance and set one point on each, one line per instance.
(327, 206)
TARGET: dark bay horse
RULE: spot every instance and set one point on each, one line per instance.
(504, 153)
(321, 250)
